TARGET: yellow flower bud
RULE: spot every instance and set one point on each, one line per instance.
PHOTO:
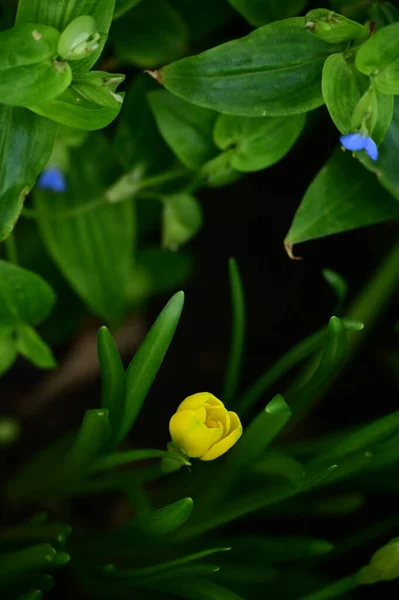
(203, 428)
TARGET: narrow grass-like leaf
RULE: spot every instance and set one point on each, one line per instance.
(88, 443)
(148, 359)
(28, 560)
(276, 549)
(338, 285)
(234, 365)
(33, 595)
(199, 589)
(54, 533)
(335, 590)
(163, 521)
(113, 381)
(122, 458)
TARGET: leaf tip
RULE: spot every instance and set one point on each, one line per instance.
(289, 250)
(155, 75)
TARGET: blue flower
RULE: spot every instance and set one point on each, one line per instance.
(357, 141)
(52, 179)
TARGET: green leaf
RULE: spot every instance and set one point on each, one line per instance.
(8, 353)
(337, 284)
(150, 35)
(274, 71)
(54, 533)
(181, 219)
(122, 6)
(148, 359)
(113, 381)
(87, 445)
(26, 142)
(379, 57)
(110, 461)
(384, 14)
(276, 549)
(137, 142)
(198, 589)
(334, 590)
(386, 167)
(73, 109)
(257, 143)
(13, 565)
(163, 521)
(259, 12)
(62, 12)
(90, 239)
(34, 349)
(100, 88)
(25, 298)
(33, 595)
(238, 325)
(204, 17)
(186, 128)
(27, 66)
(340, 198)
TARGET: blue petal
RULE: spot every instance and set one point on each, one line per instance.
(52, 179)
(371, 148)
(354, 141)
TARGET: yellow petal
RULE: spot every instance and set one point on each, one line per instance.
(189, 432)
(197, 400)
(218, 414)
(235, 422)
(227, 442)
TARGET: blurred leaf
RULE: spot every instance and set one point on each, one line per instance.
(181, 219)
(384, 14)
(137, 141)
(122, 6)
(62, 13)
(353, 9)
(34, 349)
(334, 590)
(158, 271)
(274, 71)
(340, 198)
(148, 359)
(33, 595)
(386, 167)
(150, 35)
(73, 110)
(113, 381)
(8, 352)
(163, 521)
(257, 143)
(276, 549)
(218, 172)
(26, 142)
(238, 315)
(259, 12)
(27, 68)
(204, 17)
(186, 128)
(28, 533)
(198, 589)
(15, 564)
(90, 239)
(338, 285)
(25, 298)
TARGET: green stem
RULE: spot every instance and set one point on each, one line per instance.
(130, 184)
(122, 458)
(237, 334)
(11, 249)
(334, 590)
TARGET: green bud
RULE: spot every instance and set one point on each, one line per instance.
(384, 564)
(365, 114)
(79, 38)
(334, 28)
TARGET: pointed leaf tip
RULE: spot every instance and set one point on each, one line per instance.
(277, 405)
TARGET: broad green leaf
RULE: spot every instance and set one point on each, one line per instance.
(99, 88)
(163, 521)
(350, 97)
(25, 298)
(27, 66)
(379, 57)
(60, 13)
(181, 219)
(198, 589)
(113, 381)
(274, 71)
(34, 349)
(26, 142)
(259, 12)
(340, 198)
(150, 35)
(74, 110)
(186, 128)
(386, 167)
(8, 352)
(257, 143)
(90, 239)
(90, 440)
(122, 6)
(137, 141)
(148, 359)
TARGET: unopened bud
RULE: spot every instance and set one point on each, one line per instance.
(79, 38)
(334, 28)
